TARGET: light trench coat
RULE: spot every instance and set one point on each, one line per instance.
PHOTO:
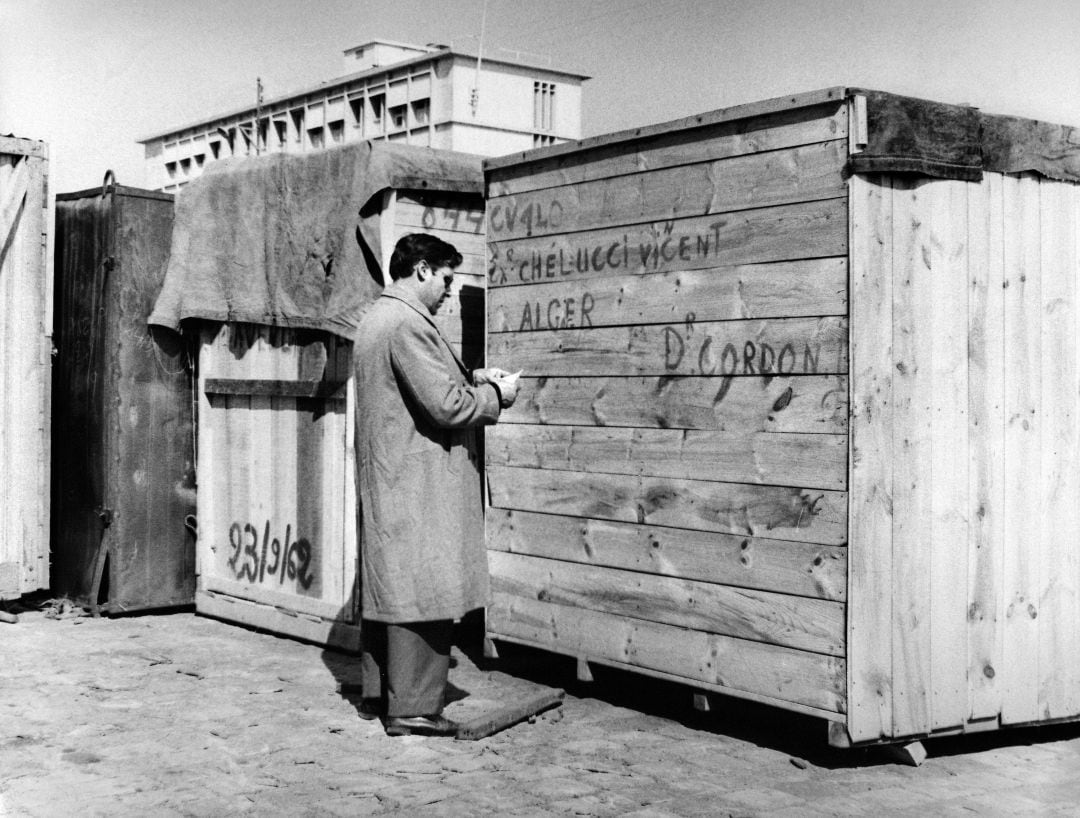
(422, 538)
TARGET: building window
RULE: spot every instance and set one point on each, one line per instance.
(357, 108)
(185, 166)
(315, 137)
(298, 123)
(544, 106)
(421, 111)
(378, 108)
(215, 149)
(200, 159)
(337, 130)
(541, 140)
(170, 168)
(281, 130)
(397, 117)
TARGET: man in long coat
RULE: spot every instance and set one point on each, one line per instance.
(423, 562)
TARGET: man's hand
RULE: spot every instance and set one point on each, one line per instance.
(492, 375)
(505, 382)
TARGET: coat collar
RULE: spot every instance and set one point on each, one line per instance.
(404, 294)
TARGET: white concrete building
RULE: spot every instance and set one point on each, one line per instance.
(420, 95)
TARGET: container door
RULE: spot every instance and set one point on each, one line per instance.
(150, 421)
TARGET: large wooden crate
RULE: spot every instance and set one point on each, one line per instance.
(788, 432)
(123, 482)
(278, 515)
(25, 346)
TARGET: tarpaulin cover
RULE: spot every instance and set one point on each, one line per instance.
(293, 240)
(908, 135)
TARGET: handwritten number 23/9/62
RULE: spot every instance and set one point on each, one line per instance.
(249, 559)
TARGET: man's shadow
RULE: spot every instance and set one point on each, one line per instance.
(344, 644)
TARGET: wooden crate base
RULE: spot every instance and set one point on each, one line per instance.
(697, 684)
(332, 633)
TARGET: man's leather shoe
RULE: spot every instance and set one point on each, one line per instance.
(370, 709)
(420, 726)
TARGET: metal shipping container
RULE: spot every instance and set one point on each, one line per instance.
(123, 473)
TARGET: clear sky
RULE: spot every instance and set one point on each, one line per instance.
(91, 76)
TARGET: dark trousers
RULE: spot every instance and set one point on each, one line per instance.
(407, 665)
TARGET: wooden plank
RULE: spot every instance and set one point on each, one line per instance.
(797, 622)
(780, 289)
(784, 129)
(782, 513)
(270, 387)
(350, 551)
(341, 635)
(778, 177)
(777, 346)
(388, 233)
(24, 369)
(797, 569)
(870, 594)
(227, 535)
(912, 477)
(314, 493)
(805, 230)
(288, 489)
(1023, 455)
(948, 328)
(799, 403)
(333, 511)
(455, 212)
(209, 451)
(468, 244)
(12, 198)
(986, 397)
(507, 716)
(736, 666)
(20, 146)
(808, 460)
(1059, 611)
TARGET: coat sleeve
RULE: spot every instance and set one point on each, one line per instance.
(420, 365)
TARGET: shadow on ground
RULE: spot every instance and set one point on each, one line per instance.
(801, 736)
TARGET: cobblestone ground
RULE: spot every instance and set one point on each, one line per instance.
(178, 714)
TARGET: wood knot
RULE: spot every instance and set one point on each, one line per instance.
(783, 400)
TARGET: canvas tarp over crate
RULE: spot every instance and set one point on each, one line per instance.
(294, 240)
(910, 135)
(274, 260)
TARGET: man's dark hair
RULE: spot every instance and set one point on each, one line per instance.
(414, 247)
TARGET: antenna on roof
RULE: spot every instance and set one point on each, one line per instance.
(474, 97)
(258, 111)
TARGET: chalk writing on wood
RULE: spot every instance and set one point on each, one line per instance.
(805, 346)
(453, 218)
(558, 313)
(532, 215)
(806, 230)
(288, 559)
(622, 254)
(745, 358)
